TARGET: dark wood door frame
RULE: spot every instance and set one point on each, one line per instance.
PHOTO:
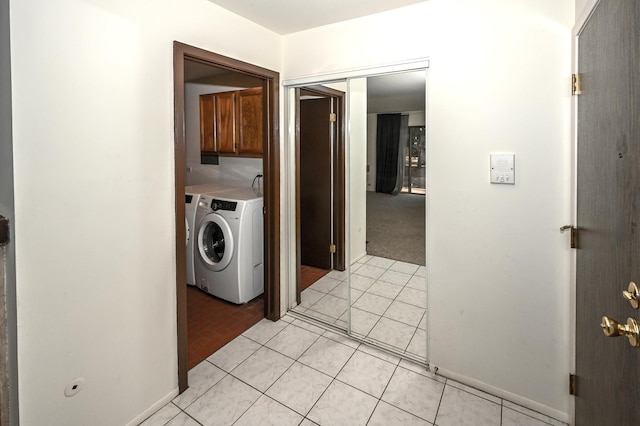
(339, 167)
(271, 169)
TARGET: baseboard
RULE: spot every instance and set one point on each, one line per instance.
(501, 393)
(154, 408)
(357, 258)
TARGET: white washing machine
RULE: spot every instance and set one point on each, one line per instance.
(192, 196)
(228, 248)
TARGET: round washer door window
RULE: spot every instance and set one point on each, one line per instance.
(215, 242)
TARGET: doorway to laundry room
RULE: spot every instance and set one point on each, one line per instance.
(226, 218)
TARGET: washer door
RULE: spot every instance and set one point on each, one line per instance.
(215, 242)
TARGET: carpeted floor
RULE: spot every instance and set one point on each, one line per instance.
(396, 226)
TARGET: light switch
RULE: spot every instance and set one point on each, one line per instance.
(502, 168)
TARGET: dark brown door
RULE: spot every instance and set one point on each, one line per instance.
(608, 213)
(316, 182)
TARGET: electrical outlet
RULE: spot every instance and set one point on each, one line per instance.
(74, 387)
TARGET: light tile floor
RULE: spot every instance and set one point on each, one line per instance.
(291, 372)
(388, 303)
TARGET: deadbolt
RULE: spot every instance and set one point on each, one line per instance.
(612, 328)
(632, 295)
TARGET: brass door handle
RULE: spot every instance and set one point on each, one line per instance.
(632, 295)
(612, 328)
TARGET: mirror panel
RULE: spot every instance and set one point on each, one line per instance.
(380, 296)
(388, 274)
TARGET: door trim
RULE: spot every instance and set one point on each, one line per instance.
(320, 78)
(271, 192)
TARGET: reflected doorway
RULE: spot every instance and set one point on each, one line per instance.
(320, 203)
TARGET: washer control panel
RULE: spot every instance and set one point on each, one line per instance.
(223, 205)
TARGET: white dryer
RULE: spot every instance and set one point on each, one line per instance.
(229, 245)
(192, 196)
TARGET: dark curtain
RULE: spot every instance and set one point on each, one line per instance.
(387, 149)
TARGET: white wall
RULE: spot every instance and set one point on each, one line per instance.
(498, 267)
(94, 197)
(357, 149)
(417, 118)
(229, 170)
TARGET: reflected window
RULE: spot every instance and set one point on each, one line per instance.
(414, 179)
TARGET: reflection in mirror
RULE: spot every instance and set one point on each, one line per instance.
(369, 184)
(388, 274)
(321, 286)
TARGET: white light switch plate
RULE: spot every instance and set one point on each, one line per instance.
(503, 168)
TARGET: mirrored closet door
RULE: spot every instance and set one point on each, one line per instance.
(378, 294)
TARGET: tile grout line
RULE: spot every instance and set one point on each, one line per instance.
(301, 363)
(404, 351)
(278, 378)
(333, 379)
(444, 388)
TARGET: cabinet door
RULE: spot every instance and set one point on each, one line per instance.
(250, 122)
(225, 127)
(207, 143)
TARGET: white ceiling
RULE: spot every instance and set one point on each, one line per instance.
(289, 16)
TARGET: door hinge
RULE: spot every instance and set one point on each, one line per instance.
(264, 210)
(332, 117)
(332, 248)
(574, 234)
(576, 88)
(572, 384)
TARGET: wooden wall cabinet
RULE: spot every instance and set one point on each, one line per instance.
(231, 123)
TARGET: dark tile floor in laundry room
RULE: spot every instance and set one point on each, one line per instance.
(212, 322)
(309, 275)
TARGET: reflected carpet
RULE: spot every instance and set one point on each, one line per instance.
(396, 226)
